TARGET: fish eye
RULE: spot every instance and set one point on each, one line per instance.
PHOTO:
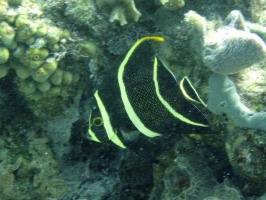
(97, 121)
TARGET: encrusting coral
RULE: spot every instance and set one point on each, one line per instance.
(34, 47)
(16, 170)
(122, 11)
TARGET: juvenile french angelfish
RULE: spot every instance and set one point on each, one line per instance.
(143, 96)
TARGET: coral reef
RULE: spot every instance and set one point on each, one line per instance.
(121, 11)
(246, 152)
(53, 55)
(238, 96)
(257, 11)
(228, 55)
(33, 46)
(29, 167)
(177, 177)
(119, 43)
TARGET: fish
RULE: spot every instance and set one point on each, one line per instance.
(142, 97)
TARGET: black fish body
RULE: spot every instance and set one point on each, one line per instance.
(142, 94)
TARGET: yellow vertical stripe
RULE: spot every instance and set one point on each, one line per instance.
(124, 96)
(107, 123)
(165, 103)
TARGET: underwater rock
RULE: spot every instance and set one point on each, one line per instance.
(177, 175)
(246, 153)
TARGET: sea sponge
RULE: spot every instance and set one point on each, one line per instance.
(224, 99)
(197, 29)
(4, 55)
(232, 47)
(228, 50)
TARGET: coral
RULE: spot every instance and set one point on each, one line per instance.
(87, 49)
(4, 55)
(3, 71)
(46, 58)
(181, 178)
(56, 77)
(251, 84)
(120, 42)
(225, 191)
(172, 4)
(29, 167)
(45, 70)
(257, 10)
(123, 11)
(35, 47)
(246, 150)
(7, 34)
